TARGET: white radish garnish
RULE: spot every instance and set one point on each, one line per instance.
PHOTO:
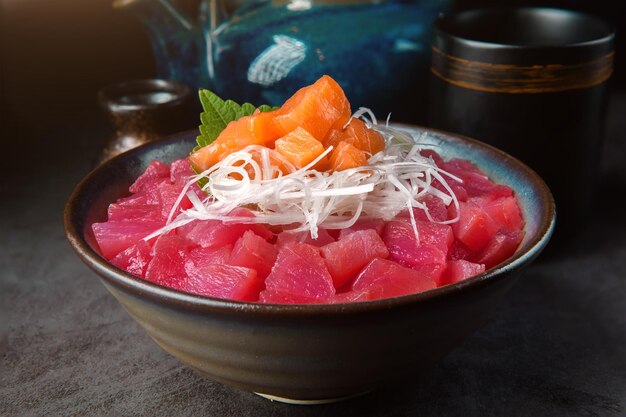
(394, 180)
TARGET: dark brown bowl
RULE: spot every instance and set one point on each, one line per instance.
(308, 353)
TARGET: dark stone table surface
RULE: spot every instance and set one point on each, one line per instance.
(556, 346)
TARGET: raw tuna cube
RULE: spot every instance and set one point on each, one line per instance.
(459, 270)
(436, 207)
(168, 194)
(323, 238)
(429, 153)
(407, 251)
(215, 234)
(299, 273)
(506, 213)
(478, 185)
(116, 236)
(459, 191)
(459, 251)
(155, 173)
(134, 259)
(500, 248)
(353, 296)
(224, 281)
(135, 212)
(384, 278)
(435, 234)
(475, 228)
(364, 224)
(346, 257)
(167, 268)
(474, 181)
(200, 257)
(133, 200)
(252, 251)
(180, 171)
(272, 296)
(151, 191)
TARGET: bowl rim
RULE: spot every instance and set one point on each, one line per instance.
(145, 289)
(447, 19)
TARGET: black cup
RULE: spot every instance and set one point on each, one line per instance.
(146, 110)
(531, 81)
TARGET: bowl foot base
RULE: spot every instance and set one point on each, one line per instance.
(311, 402)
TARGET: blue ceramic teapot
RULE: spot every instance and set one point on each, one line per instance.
(262, 51)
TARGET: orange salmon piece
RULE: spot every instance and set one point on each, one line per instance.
(317, 108)
(346, 156)
(300, 148)
(359, 135)
(248, 130)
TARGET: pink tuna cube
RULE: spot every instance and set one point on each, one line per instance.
(167, 268)
(115, 236)
(299, 273)
(459, 270)
(422, 255)
(224, 281)
(323, 238)
(384, 278)
(252, 251)
(475, 228)
(156, 172)
(134, 259)
(200, 257)
(346, 257)
(500, 248)
(364, 224)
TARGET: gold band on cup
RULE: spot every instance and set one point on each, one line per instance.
(515, 79)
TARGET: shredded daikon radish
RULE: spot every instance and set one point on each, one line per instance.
(395, 179)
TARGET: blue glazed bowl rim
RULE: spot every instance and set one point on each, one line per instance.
(180, 300)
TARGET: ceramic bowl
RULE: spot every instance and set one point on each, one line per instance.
(308, 353)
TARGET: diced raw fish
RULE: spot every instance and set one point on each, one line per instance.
(459, 191)
(135, 212)
(436, 208)
(214, 233)
(323, 238)
(346, 257)
(271, 296)
(475, 182)
(252, 251)
(435, 234)
(224, 281)
(155, 173)
(429, 153)
(459, 251)
(134, 259)
(167, 268)
(459, 270)
(168, 195)
(407, 251)
(475, 228)
(180, 171)
(299, 273)
(200, 257)
(364, 224)
(501, 248)
(384, 278)
(506, 213)
(353, 296)
(116, 236)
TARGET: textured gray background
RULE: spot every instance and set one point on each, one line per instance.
(555, 346)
